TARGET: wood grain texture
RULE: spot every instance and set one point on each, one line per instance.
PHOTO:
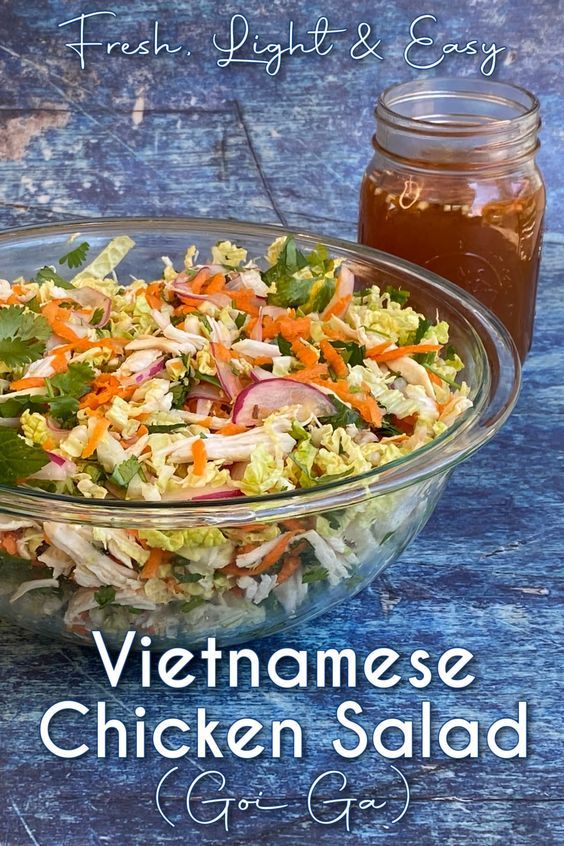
(154, 137)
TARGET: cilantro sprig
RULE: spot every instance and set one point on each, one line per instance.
(76, 257)
(18, 460)
(49, 274)
(126, 471)
(23, 335)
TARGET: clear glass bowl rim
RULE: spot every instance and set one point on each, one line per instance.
(492, 404)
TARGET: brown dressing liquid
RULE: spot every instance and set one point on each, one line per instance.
(486, 239)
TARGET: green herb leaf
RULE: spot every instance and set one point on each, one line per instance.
(76, 257)
(105, 595)
(65, 390)
(179, 393)
(157, 428)
(240, 319)
(422, 328)
(205, 377)
(344, 416)
(284, 346)
(398, 295)
(97, 316)
(192, 603)
(387, 428)
(314, 574)
(18, 460)
(352, 353)
(448, 381)
(22, 336)
(49, 274)
(126, 471)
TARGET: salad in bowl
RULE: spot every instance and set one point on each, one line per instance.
(215, 381)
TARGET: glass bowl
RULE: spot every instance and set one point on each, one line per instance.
(364, 522)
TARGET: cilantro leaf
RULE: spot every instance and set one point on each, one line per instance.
(205, 377)
(352, 353)
(423, 326)
(179, 394)
(240, 319)
(291, 292)
(398, 295)
(314, 574)
(18, 460)
(22, 335)
(192, 603)
(387, 428)
(165, 427)
(49, 274)
(105, 595)
(284, 346)
(76, 257)
(126, 471)
(313, 292)
(343, 416)
(65, 390)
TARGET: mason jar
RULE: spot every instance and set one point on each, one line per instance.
(453, 186)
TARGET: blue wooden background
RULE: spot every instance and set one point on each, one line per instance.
(165, 135)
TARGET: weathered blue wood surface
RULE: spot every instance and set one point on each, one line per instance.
(157, 136)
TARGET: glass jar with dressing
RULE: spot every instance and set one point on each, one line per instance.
(453, 186)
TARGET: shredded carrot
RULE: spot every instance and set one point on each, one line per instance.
(153, 563)
(27, 382)
(304, 353)
(379, 348)
(365, 405)
(200, 457)
(215, 284)
(410, 349)
(222, 352)
(250, 325)
(277, 550)
(153, 295)
(434, 378)
(197, 282)
(189, 301)
(310, 374)
(9, 542)
(334, 359)
(59, 363)
(335, 333)
(338, 307)
(287, 325)
(289, 567)
(231, 429)
(294, 525)
(97, 433)
(245, 301)
(259, 360)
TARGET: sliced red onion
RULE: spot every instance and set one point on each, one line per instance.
(182, 289)
(148, 372)
(219, 493)
(344, 289)
(231, 384)
(91, 298)
(256, 333)
(57, 470)
(274, 311)
(257, 401)
(259, 374)
(203, 390)
(203, 407)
